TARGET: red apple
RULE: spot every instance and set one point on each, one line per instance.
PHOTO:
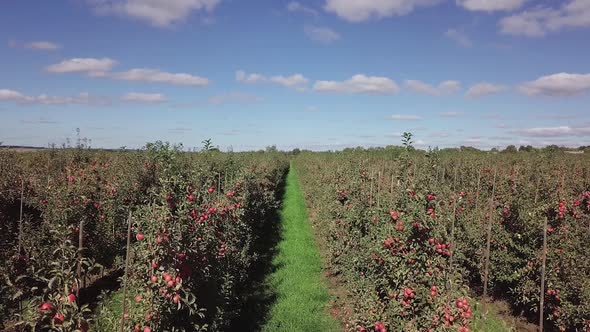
(46, 306)
(58, 318)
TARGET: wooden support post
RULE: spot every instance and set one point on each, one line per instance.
(391, 187)
(477, 190)
(126, 277)
(80, 247)
(218, 184)
(20, 220)
(543, 261)
(372, 180)
(453, 219)
(488, 240)
(20, 238)
(378, 189)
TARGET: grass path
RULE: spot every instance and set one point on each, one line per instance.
(301, 291)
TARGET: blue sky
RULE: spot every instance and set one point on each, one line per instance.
(309, 74)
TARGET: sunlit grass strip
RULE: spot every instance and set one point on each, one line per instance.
(109, 314)
(488, 320)
(302, 294)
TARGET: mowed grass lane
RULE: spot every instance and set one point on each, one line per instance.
(301, 291)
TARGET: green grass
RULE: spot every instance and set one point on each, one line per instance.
(109, 313)
(486, 319)
(302, 294)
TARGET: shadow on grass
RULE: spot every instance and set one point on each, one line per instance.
(258, 295)
(91, 295)
(502, 307)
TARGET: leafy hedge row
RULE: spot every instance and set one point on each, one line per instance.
(407, 233)
(194, 215)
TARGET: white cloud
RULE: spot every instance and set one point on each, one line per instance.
(159, 13)
(148, 98)
(449, 86)
(102, 68)
(295, 6)
(561, 131)
(42, 45)
(444, 88)
(179, 130)
(540, 20)
(405, 117)
(58, 100)
(484, 89)
(490, 5)
(321, 34)
(90, 66)
(560, 84)
(294, 81)
(420, 142)
(235, 97)
(158, 76)
(458, 37)
(12, 95)
(395, 135)
(241, 76)
(359, 83)
(358, 11)
(83, 98)
(473, 140)
(450, 114)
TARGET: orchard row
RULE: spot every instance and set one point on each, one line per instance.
(182, 229)
(412, 236)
